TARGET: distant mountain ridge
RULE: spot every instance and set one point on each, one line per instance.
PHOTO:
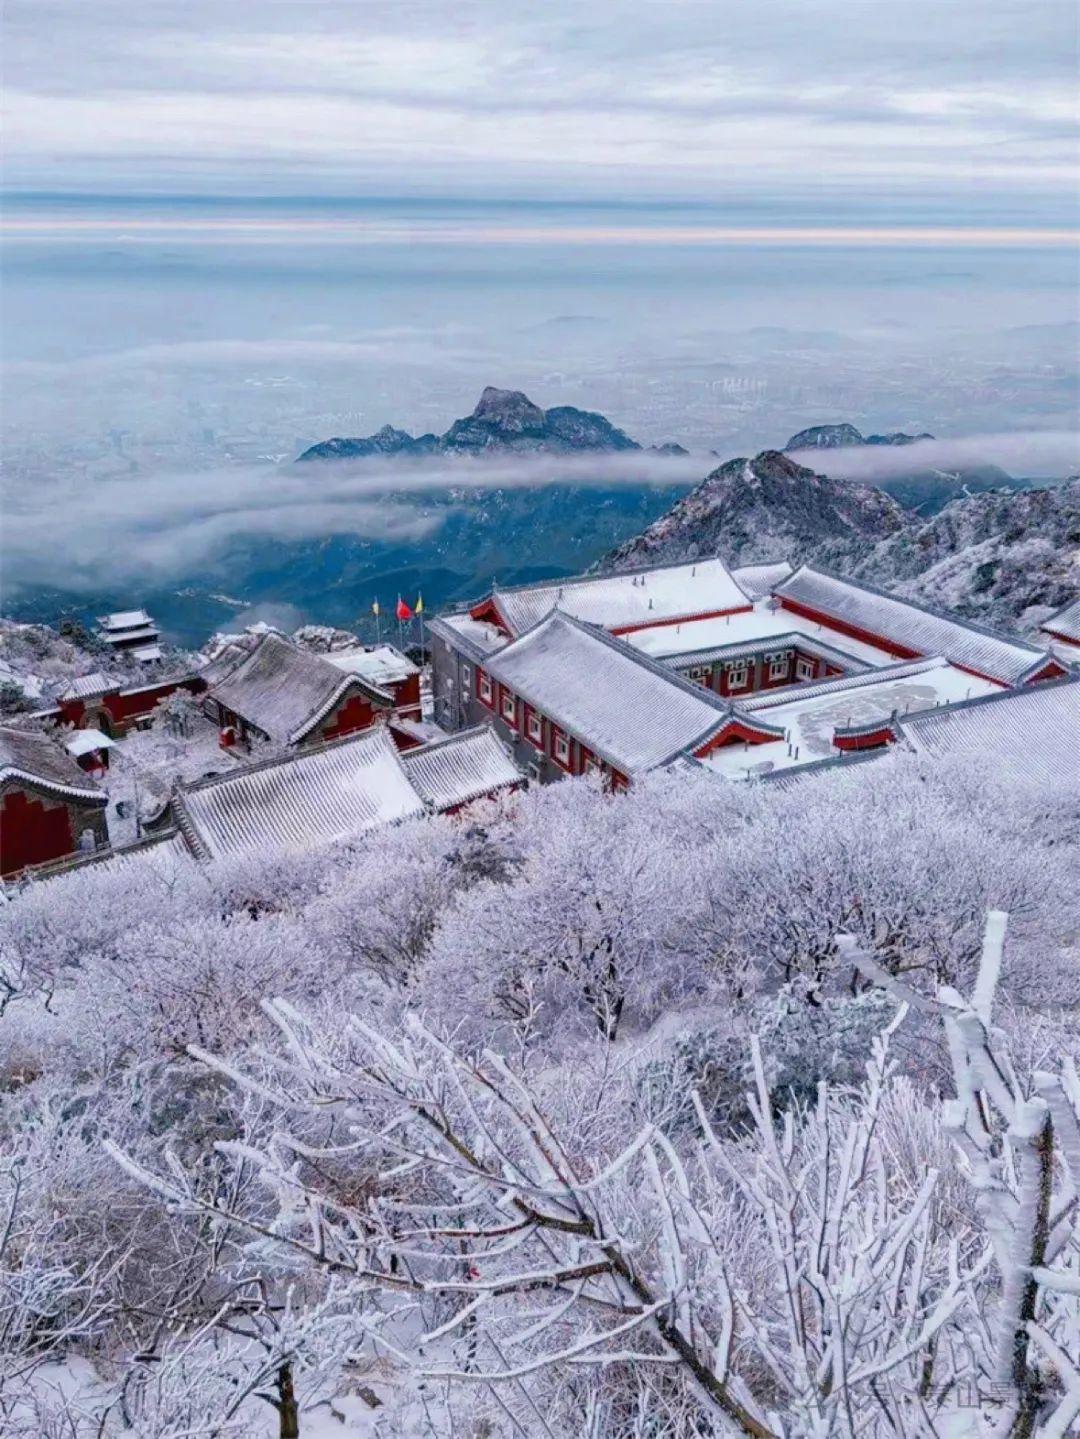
(925, 489)
(1005, 558)
(508, 422)
(835, 437)
(504, 421)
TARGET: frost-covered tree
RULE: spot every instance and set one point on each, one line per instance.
(797, 1281)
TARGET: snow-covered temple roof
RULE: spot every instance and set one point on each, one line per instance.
(451, 772)
(378, 664)
(968, 686)
(627, 599)
(87, 741)
(165, 854)
(284, 691)
(914, 626)
(1030, 732)
(811, 714)
(476, 638)
(760, 580)
(314, 797)
(125, 620)
(87, 686)
(788, 639)
(123, 637)
(1065, 622)
(625, 708)
(35, 759)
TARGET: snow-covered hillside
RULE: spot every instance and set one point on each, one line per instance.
(1007, 557)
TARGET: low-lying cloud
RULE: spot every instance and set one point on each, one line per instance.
(167, 526)
(153, 528)
(1042, 454)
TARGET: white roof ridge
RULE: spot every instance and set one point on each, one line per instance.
(591, 577)
(293, 757)
(1004, 637)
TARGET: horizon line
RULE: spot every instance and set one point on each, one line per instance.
(423, 232)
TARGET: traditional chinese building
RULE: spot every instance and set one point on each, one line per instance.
(388, 670)
(593, 673)
(96, 702)
(131, 632)
(275, 691)
(336, 792)
(49, 807)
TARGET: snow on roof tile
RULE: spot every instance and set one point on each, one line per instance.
(632, 597)
(630, 710)
(1065, 621)
(125, 637)
(87, 685)
(125, 620)
(334, 792)
(38, 761)
(912, 625)
(379, 664)
(284, 691)
(1030, 732)
(463, 767)
(474, 637)
(760, 580)
(785, 640)
(87, 741)
(867, 679)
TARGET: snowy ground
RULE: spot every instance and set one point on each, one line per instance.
(145, 765)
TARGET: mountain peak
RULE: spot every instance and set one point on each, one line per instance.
(749, 510)
(500, 404)
(508, 410)
(842, 436)
(502, 420)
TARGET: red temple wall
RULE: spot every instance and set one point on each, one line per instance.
(34, 830)
(355, 713)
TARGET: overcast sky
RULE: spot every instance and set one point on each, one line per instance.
(953, 110)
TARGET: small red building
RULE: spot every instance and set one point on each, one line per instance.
(387, 669)
(96, 702)
(48, 807)
(276, 691)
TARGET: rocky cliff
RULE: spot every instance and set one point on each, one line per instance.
(1001, 557)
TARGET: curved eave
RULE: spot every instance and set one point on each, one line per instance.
(351, 682)
(33, 781)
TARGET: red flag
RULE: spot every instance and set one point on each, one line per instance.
(403, 612)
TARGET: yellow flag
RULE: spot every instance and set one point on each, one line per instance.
(375, 607)
(418, 608)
